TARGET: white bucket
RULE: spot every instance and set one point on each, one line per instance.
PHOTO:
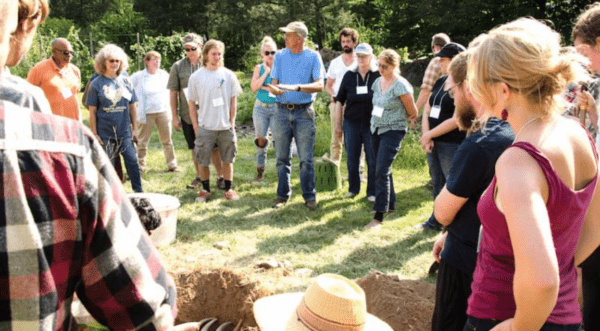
(166, 206)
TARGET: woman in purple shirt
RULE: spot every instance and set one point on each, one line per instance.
(534, 209)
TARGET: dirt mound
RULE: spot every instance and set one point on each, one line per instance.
(225, 294)
(403, 304)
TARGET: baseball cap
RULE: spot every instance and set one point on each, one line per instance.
(192, 38)
(297, 27)
(450, 50)
(364, 48)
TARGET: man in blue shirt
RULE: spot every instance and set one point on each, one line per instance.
(297, 77)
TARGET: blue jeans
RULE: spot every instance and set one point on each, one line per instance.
(440, 160)
(124, 146)
(262, 118)
(385, 149)
(356, 135)
(298, 123)
(476, 324)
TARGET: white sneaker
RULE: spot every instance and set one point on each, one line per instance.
(371, 199)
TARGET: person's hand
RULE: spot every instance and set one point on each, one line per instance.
(413, 123)
(338, 130)
(425, 139)
(504, 326)
(276, 90)
(428, 147)
(176, 124)
(438, 247)
(134, 136)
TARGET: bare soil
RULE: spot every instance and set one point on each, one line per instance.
(228, 295)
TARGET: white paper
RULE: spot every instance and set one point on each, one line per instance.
(435, 112)
(361, 90)
(127, 95)
(66, 93)
(185, 92)
(218, 102)
(377, 111)
(271, 95)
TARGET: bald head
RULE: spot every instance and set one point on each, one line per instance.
(62, 51)
(9, 15)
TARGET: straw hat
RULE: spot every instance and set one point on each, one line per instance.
(331, 303)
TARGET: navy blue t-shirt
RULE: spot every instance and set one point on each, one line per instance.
(472, 170)
(358, 106)
(112, 98)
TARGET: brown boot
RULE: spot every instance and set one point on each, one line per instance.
(259, 175)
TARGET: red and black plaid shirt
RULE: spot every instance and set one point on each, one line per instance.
(66, 226)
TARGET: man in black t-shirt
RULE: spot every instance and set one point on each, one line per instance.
(455, 207)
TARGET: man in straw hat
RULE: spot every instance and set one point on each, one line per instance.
(331, 303)
(297, 77)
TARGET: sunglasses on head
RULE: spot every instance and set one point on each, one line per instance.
(114, 61)
(267, 53)
(191, 49)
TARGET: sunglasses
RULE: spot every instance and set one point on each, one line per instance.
(267, 53)
(113, 61)
(193, 49)
(66, 53)
(383, 66)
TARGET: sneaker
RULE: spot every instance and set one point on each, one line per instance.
(203, 196)
(173, 169)
(312, 204)
(231, 195)
(278, 203)
(195, 183)
(373, 225)
(428, 226)
(349, 195)
(371, 198)
(221, 183)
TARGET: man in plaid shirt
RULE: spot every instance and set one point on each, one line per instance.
(66, 225)
(433, 70)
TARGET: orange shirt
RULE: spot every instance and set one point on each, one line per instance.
(59, 85)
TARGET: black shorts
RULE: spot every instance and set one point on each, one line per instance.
(452, 290)
(188, 133)
(590, 278)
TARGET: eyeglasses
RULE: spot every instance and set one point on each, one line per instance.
(65, 53)
(113, 61)
(192, 49)
(362, 56)
(267, 53)
(383, 66)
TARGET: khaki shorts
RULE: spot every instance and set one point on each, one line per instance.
(205, 143)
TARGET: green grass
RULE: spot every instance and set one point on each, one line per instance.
(330, 239)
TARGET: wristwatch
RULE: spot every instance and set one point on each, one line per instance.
(299, 88)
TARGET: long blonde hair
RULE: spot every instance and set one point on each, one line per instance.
(526, 55)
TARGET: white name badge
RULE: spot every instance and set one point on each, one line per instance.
(435, 112)
(66, 93)
(218, 102)
(127, 95)
(361, 90)
(185, 92)
(271, 95)
(377, 111)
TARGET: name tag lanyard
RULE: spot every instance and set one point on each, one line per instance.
(441, 99)
(366, 83)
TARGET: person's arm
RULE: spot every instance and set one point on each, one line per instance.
(33, 77)
(423, 97)
(233, 111)
(522, 192)
(426, 144)
(446, 206)
(409, 104)
(92, 121)
(174, 102)
(193, 115)
(329, 87)
(128, 260)
(314, 87)
(443, 128)
(589, 238)
(338, 118)
(438, 247)
(133, 118)
(258, 80)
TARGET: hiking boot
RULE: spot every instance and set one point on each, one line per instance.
(259, 175)
(312, 204)
(221, 183)
(231, 195)
(203, 196)
(195, 183)
(278, 203)
(373, 225)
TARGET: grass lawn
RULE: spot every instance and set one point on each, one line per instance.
(329, 239)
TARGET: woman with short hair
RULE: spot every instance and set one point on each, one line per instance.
(111, 101)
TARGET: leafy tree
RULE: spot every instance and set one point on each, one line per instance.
(82, 12)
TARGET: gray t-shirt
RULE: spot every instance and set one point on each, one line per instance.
(178, 81)
(213, 90)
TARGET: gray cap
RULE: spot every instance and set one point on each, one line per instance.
(192, 38)
(298, 27)
(364, 48)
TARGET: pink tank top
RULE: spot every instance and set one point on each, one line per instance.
(492, 290)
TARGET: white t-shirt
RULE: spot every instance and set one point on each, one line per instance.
(151, 92)
(337, 70)
(213, 90)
